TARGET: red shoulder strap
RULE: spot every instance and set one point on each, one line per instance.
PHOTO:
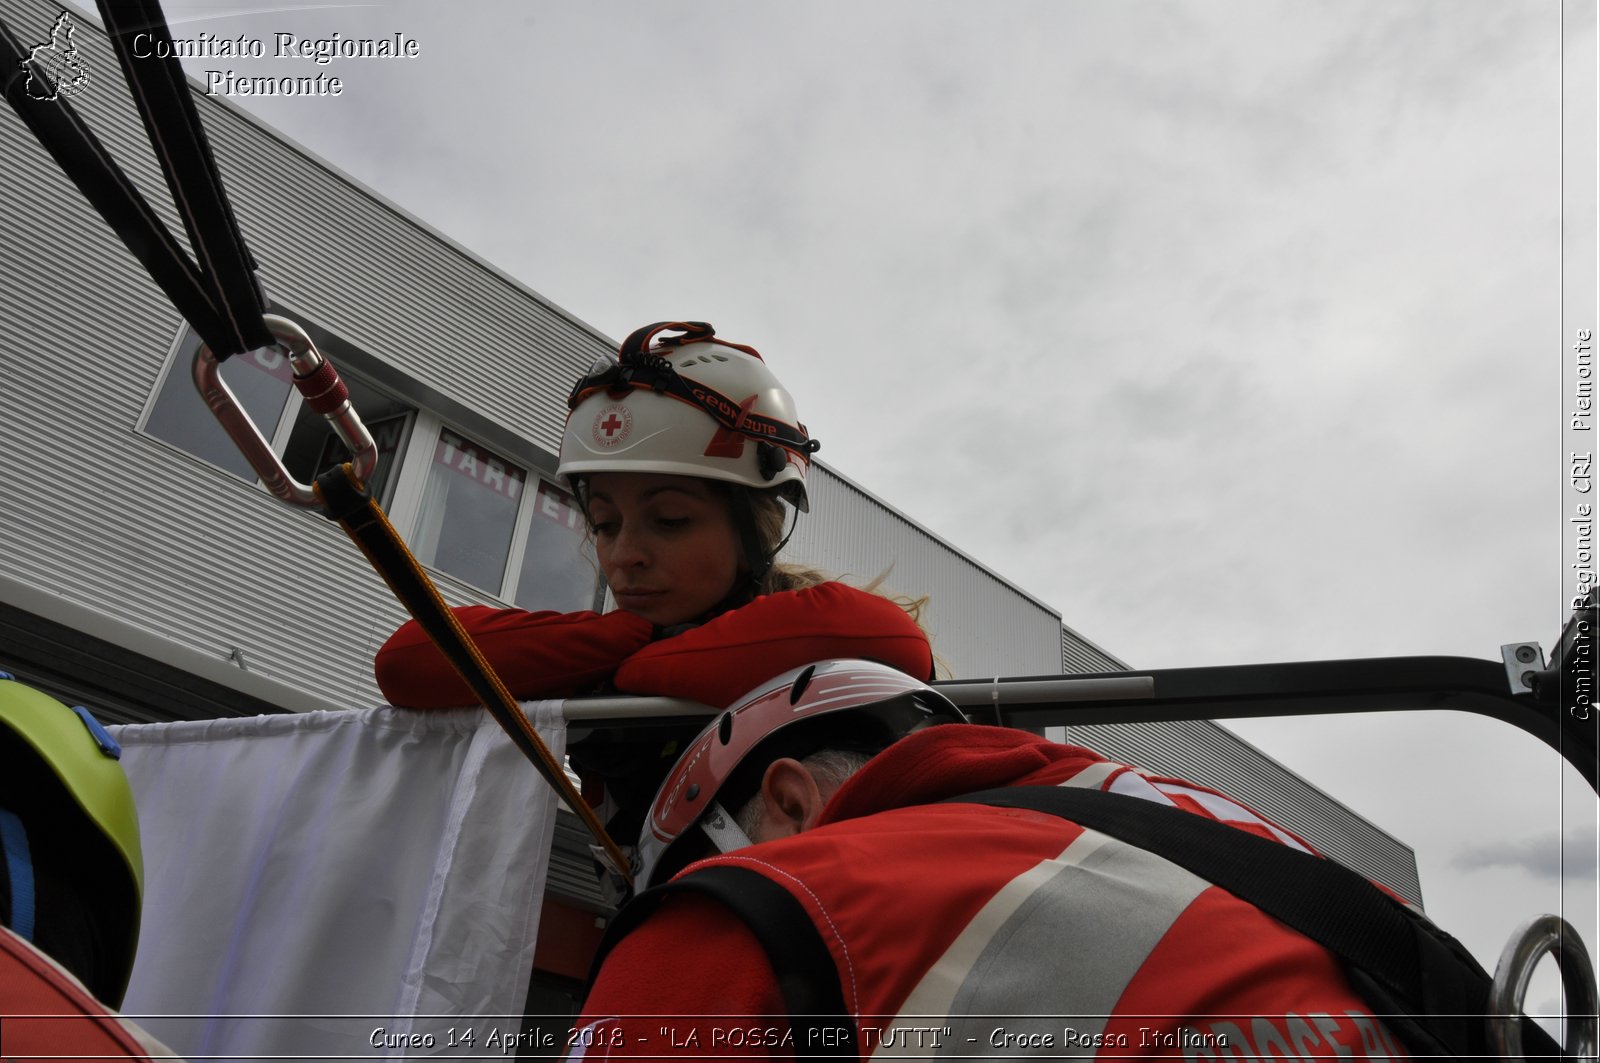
(46, 1012)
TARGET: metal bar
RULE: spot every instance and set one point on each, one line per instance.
(627, 710)
(1313, 688)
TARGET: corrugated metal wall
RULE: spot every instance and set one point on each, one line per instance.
(117, 523)
(1079, 655)
(1209, 754)
(84, 333)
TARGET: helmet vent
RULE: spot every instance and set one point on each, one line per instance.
(801, 681)
(725, 728)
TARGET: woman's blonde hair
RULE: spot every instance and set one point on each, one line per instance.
(768, 515)
(765, 515)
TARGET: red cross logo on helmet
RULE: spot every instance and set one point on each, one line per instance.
(680, 401)
(612, 425)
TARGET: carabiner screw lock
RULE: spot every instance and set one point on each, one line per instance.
(319, 384)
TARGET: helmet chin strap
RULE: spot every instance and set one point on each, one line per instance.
(19, 873)
(761, 561)
(723, 830)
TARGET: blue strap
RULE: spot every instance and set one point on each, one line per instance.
(102, 737)
(19, 866)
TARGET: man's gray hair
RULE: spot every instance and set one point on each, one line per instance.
(830, 767)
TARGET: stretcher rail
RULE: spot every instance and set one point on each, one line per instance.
(1309, 688)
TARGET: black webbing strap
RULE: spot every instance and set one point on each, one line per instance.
(166, 104)
(225, 305)
(807, 977)
(83, 159)
(1419, 979)
(221, 300)
(351, 504)
(1423, 983)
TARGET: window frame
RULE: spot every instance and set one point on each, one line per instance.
(169, 365)
(288, 417)
(406, 504)
(407, 483)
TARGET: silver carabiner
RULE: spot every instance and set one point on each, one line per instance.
(1529, 943)
(318, 383)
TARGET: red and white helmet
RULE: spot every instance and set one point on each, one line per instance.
(867, 706)
(690, 405)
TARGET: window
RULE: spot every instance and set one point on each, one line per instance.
(465, 510)
(469, 512)
(314, 448)
(558, 569)
(482, 522)
(262, 381)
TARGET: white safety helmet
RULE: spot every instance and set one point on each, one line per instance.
(689, 405)
(867, 706)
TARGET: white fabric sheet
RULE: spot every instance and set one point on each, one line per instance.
(337, 884)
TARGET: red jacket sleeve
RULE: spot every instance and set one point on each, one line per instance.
(726, 657)
(537, 655)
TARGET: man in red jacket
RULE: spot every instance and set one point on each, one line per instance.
(951, 928)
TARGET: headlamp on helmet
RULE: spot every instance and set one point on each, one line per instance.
(680, 401)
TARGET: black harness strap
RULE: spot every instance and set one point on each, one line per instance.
(220, 299)
(85, 160)
(821, 1025)
(166, 105)
(1422, 982)
(1419, 979)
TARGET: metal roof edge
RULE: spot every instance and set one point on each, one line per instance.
(476, 259)
(941, 540)
(1096, 647)
(1326, 795)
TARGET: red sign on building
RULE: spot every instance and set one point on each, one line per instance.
(478, 465)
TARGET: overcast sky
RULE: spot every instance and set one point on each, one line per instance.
(1232, 329)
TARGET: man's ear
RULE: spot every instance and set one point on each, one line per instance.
(791, 800)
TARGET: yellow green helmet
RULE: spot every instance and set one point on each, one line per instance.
(75, 881)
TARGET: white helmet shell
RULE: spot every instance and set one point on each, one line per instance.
(691, 405)
(883, 701)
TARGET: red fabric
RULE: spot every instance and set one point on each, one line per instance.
(537, 655)
(555, 655)
(46, 1012)
(728, 656)
(892, 884)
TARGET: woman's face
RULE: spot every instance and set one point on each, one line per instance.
(666, 544)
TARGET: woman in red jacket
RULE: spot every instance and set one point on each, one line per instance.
(685, 456)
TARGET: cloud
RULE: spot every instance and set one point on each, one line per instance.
(1222, 328)
(1543, 856)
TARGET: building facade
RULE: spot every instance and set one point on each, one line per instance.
(148, 575)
